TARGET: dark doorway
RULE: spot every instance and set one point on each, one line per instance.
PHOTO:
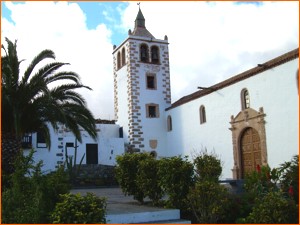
(91, 153)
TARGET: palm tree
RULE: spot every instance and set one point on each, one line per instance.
(29, 104)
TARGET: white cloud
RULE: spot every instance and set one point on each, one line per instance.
(209, 42)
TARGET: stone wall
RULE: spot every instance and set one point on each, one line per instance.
(96, 175)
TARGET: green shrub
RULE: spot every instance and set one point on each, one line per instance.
(271, 204)
(261, 181)
(76, 209)
(289, 177)
(273, 208)
(239, 206)
(32, 196)
(208, 201)
(126, 174)
(207, 167)
(55, 184)
(148, 180)
(175, 178)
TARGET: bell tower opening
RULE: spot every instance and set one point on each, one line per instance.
(144, 53)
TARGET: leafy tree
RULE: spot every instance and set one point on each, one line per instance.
(208, 201)
(148, 180)
(127, 172)
(175, 178)
(207, 167)
(42, 95)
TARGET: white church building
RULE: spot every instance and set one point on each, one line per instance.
(249, 119)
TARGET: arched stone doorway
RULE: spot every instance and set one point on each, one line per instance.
(249, 141)
(250, 151)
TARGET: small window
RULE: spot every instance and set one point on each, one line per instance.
(202, 114)
(119, 60)
(69, 145)
(121, 132)
(27, 141)
(144, 53)
(245, 99)
(152, 111)
(154, 54)
(151, 81)
(40, 140)
(123, 57)
(169, 123)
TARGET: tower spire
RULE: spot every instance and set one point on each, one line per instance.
(139, 26)
(140, 19)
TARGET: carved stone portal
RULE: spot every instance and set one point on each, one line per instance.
(248, 118)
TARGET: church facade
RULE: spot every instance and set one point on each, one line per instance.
(247, 120)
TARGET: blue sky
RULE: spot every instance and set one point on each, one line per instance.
(235, 36)
(105, 12)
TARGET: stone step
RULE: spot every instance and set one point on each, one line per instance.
(148, 216)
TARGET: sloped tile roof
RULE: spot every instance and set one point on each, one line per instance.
(142, 32)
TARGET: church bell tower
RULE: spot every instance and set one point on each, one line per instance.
(142, 89)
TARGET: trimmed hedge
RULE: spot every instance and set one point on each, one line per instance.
(141, 176)
(77, 209)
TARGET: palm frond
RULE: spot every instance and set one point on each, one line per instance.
(69, 76)
(45, 54)
(30, 105)
(83, 116)
(44, 72)
(66, 93)
(11, 64)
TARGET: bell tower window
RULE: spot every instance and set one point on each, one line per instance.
(123, 57)
(151, 81)
(144, 53)
(154, 54)
(118, 61)
(152, 111)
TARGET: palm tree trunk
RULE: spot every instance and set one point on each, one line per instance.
(11, 147)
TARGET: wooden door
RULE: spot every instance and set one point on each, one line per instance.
(250, 151)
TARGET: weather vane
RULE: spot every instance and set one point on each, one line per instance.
(138, 4)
